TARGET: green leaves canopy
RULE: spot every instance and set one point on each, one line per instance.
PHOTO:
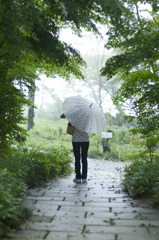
(137, 37)
(30, 43)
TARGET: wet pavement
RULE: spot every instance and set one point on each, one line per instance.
(96, 210)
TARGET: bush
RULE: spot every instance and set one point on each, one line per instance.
(26, 168)
(95, 144)
(36, 166)
(13, 212)
(119, 145)
(142, 180)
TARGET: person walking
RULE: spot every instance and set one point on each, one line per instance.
(80, 143)
(87, 118)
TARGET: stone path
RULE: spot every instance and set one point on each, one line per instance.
(96, 210)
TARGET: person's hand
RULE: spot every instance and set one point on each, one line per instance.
(62, 116)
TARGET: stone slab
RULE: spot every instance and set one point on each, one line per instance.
(29, 234)
(137, 223)
(122, 230)
(81, 221)
(72, 236)
(101, 236)
(44, 198)
(76, 214)
(52, 227)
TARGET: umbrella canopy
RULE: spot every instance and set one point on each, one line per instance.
(84, 114)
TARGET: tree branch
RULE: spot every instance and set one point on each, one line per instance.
(4, 54)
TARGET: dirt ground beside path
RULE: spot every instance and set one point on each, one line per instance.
(96, 210)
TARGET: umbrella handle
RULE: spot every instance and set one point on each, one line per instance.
(91, 104)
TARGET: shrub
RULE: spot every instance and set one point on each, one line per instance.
(26, 168)
(13, 212)
(36, 166)
(155, 199)
(95, 144)
(142, 180)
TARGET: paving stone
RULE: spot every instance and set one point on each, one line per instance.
(76, 214)
(63, 236)
(59, 195)
(95, 209)
(39, 207)
(101, 236)
(101, 199)
(136, 210)
(126, 236)
(29, 234)
(68, 203)
(43, 198)
(80, 209)
(78, 236)
(122, 230)
(108, 204)
(149, 216)
(44, 218)
(52, 227)
(112, 215)
(137, 223)
(36, 192)
(95, 200)
(93, 197)
(81, 221)
(45, 211)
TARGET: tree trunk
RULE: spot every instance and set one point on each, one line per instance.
(31, 109)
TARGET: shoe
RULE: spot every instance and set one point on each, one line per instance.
(76, 180)
(84, 180)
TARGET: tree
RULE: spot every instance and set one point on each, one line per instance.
(138, 63)
(54, 108)
(29, 44)
(31, 108)
(99, 86)
(11, 109)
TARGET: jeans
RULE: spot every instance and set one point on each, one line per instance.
(83, 146)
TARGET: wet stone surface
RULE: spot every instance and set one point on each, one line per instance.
(96, 210)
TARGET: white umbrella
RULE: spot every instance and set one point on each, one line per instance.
(84, 114)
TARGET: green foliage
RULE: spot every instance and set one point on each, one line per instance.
(120, 144)
(125, 144)
(36, 166)
(53, 134)
(95, 144)
(27, 168)
(11, 108)
(49, 134)
(128, 144)
(33, 46)
(142, 180)
(148, 142)
(12, 209)
(136, 35)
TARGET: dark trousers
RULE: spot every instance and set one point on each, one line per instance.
(80, 147)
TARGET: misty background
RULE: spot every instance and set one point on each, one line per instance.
(51, 91)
